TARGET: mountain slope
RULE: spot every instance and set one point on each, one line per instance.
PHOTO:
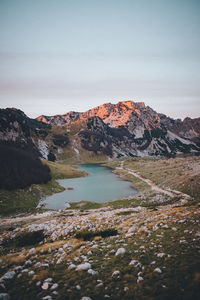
(130, 128)
(110, 130)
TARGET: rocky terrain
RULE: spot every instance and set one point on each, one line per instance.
(146, 247)
(130, 129)
(110, 130)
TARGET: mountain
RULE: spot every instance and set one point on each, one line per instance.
(130, 128)
(110, 130)
(19, 155)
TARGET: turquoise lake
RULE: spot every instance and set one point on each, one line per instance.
(101, 186)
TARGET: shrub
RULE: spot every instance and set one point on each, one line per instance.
(25, 239)
(88, 235)
(20, 168)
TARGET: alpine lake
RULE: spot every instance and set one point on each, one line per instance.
(102, 185)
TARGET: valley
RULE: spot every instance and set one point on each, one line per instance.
(111, 250)
(143, 246)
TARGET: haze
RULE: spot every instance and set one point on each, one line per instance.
(57, 56)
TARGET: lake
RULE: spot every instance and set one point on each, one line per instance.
(101, 186)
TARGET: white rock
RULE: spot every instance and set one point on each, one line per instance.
(160, 254)
(92, 272)
(78, 287)
(140, 279)
(32, 251)
(47, 298)
(8, 275)
(45, 286)
(83, 267)
(86, 298)
(48, 279)
(31, 273)
(115, 273)
(4, 296)
(54, 286)
(158, 270)
(72, 266)
(120, 251)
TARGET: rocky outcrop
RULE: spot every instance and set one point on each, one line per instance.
(127, 128)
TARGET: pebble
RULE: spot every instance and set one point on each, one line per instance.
(45, 286)
(92, 272)
(4, 296)
(54, 286)
(115, 273)
(8, 275)
(72, 266)
(120, 251)
(158, 270)
(83, 267)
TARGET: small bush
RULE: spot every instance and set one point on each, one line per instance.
(24, 239)
(88, 235)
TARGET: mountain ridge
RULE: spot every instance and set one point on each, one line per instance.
(126, 128)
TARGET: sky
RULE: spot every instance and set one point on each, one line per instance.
(57, 56)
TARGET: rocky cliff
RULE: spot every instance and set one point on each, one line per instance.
(127, 128)
(131, 128)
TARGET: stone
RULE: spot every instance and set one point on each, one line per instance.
(4, 296)
(115, 273)
(86, 298)
(72, 266)
(83, 267)
(54, 286)
(32, 251)
(8, 275)
(45, 286)
(92, 272)
(120, 251)
(78, 287)
(158, 270)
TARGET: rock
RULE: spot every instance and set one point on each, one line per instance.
(31, 273)
(140, 279)
(126, 289)
(86, 298)
(48, 279)
(160, 255)
(47, 298)
(78, 287)
(72, 266)
(120, 251)
(92, 272)
(4, 296)
(45, 286)
(8, 275)
(115, 273)
(54, 286)
(28, 262)
(83, 267)
(158, 270)
(32, 251)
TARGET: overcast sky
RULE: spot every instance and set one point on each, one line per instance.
(62, 55)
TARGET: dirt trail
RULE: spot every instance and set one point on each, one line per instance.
(169, 192)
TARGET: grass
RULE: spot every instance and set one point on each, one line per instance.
(179, 279)
(26, 200)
